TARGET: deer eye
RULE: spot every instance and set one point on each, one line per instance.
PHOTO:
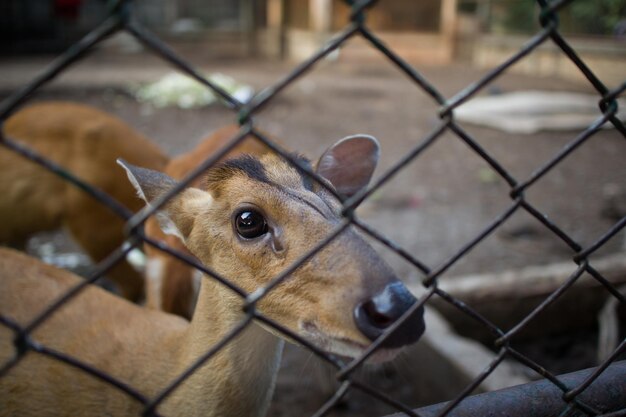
(250, 224)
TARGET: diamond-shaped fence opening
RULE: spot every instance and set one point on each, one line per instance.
(598, 392)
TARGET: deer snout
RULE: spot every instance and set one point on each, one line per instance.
(374, 315)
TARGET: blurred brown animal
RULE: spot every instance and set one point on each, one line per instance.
(86, 141)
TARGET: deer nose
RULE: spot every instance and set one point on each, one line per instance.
(375, 315)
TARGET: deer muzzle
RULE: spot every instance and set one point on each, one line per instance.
(376, 314)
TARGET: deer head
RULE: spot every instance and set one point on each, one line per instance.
(254, 217)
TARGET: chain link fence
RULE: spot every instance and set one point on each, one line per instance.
(562, 396)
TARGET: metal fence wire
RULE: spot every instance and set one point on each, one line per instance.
(568, 393)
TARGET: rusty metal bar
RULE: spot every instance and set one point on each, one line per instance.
(542, 398)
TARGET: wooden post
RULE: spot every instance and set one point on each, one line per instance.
(275, 14)
(447, 25)
(275, 25)
(320, 16)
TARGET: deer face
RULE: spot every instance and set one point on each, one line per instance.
(254, 218)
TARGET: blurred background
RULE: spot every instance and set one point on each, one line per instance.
(435, 32)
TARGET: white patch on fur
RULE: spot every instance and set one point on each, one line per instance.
(137, 259)
(200, 201)
(196, 281)
(194, 203)
(133, 181)
(154, 283)
(167, 225)
(343, 347)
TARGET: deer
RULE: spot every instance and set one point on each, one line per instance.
(172, 285)
(249, 219)
(86, 141)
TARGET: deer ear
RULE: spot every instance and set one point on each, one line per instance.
(176, 217)
(350, 163)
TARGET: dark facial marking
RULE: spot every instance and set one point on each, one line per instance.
(246, 164)
(254, 169)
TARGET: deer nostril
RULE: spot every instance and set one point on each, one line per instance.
(375, 315)
(379, 315)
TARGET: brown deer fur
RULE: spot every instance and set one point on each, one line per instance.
(86, 141)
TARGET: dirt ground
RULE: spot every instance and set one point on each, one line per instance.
(432, 208)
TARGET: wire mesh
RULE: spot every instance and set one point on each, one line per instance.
(121, 20)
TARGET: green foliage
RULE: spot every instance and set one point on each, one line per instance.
(521, 16)
(589, 17)
(598, 17)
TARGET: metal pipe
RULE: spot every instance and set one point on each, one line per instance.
(542, 398)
